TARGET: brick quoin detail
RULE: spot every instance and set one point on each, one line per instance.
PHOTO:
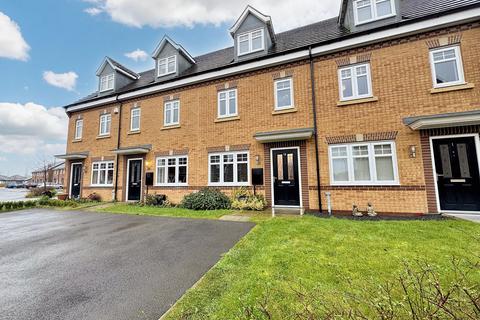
(303, 169)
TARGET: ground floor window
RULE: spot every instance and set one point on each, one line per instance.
(363, 164)
(172, 170)
(102, 173)
(229, 168)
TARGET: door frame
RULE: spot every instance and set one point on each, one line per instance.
(299, 177)
(476, 137)
(71, 179)
(127, 180)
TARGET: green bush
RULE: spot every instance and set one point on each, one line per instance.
(206, 199)
(244, 199)
(8, 206)
(155, 200)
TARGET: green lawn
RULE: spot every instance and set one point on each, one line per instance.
(286, 266)
(171, 212)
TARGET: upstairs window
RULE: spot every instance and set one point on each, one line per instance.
(250, 42)
(227, 103)
(167, 66)
(78, 129)
(363, 164)
(447, 68)
(102, 173)
(172, 170)
(172, 113)
(371, 10)
(135, 119)
(355, 82)
(107, 82)
(105, 122)
(283, 94)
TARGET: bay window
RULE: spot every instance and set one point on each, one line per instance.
(172, 170)
(102, 173)
(230, 168)
(373, 163)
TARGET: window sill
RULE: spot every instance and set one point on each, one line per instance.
(452, 88)
(173, 126)
(100, 186)
(240, 184)
(104, 137)
(76, 140)
(356, 101)
(133, 132)
(234, 118)
(379, 185)
(284, 111)
(175, 185)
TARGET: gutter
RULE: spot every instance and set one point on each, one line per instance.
(117, 156)
(315, 127)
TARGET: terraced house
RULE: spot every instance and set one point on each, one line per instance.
(380, 104)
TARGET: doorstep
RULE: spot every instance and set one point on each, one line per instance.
(234, 218)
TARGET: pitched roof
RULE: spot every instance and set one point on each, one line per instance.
(177, 46)
(318, 33)
(117, 66)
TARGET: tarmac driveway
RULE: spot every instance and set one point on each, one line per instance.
(77, 265)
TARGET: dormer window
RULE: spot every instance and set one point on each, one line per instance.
(370, 10)
(167, 66)
(250, 42)
(107, 82)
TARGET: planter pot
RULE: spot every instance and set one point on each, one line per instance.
(62, 196)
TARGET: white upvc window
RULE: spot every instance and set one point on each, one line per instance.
(228, 169)
(284, 94)
(447, 67)
(102, 173)
(172, 171)
(227, 103)
(107, 82)
(365, 11)
(135, 119)
(250, 42)
(172, 113)
(167, 66)
(355, 82)
(372, 163)
(78, 129)
(105, 123)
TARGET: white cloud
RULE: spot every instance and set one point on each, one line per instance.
(12, 44)
(66, 80)
(93, 11)
(29, 132)
(137, 55)
(285, 13)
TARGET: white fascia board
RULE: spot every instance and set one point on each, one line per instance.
(434, 23)
(92, 104)
(249, 10)
(453, 121)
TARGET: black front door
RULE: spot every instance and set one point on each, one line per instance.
(458, 179)
(286, 186)
(76, 181)
(134, 180)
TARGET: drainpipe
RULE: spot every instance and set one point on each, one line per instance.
(315, 127)
(118, 147)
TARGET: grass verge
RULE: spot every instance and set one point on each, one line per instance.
(275, 270)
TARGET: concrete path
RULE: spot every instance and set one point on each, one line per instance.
(80, 265)
(469, 217)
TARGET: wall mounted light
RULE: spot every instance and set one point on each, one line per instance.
(412, 150)
(148, 164)
(257, 159)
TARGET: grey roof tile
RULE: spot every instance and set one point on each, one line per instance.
(312, 34)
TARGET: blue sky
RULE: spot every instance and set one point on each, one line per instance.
(72, 36)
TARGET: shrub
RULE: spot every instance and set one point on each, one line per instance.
(206, 199)
(40, 191)
(94, 197)
(155, 200)
(244, 199)
(8, 205)
(29, 204)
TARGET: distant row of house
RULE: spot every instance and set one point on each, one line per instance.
(16, 179)
(51, 174)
